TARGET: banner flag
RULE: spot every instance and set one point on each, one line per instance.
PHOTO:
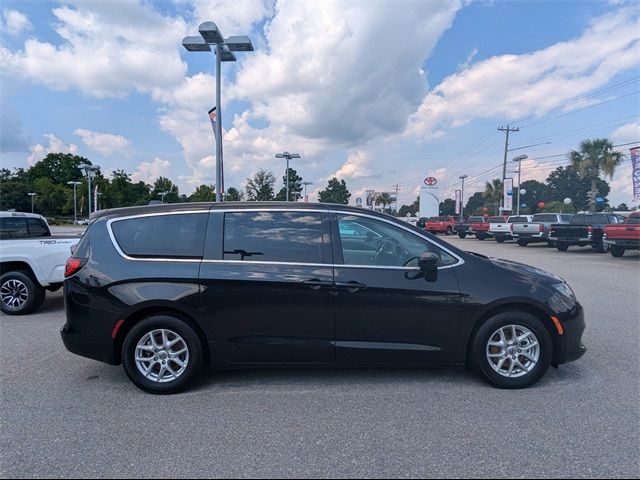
(458, 201)
(635, 175)
(508, 199)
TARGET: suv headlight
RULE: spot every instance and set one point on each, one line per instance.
(565, 290)
(563, 299)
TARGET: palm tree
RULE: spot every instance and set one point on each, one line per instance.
(493, 193)
(594, 158)
(383, 199)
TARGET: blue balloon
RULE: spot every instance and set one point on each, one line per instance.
(510, 192)
(524, 205)
(600, 201)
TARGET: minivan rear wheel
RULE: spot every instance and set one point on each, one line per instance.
(512, 350)
(162, 354)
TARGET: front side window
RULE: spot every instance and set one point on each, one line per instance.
(162, 236)
(275, 236)
(383, 244)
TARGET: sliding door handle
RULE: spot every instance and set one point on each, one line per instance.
(351, 286)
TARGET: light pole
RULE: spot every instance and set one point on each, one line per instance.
(89, 172)
(519, 159)
(462, 177)
(306, 199)
(288, 156)
(162, 194)
(211, 35)
(75, 212)
(31, 194)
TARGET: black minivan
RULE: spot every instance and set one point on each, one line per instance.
(169, 289)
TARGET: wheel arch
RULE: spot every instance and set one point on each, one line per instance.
(521, 306)
(134, 318)
(15, 266)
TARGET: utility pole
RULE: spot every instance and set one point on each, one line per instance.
(396, 187)
(507, 130)
(462, 177)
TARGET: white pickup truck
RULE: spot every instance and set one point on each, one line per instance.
(503, 230)
(31, 261)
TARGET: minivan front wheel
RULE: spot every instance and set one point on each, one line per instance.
(162, 354)
(512, 350)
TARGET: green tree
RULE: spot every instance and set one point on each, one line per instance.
(234, 195)
(14, 187)
(204, 193)
(336, 192)
(384, 199)
(51, 198)
(536, 192)
(163, 184)
(259, 187)
(595, 158)
(557, 206)
(622, 208)
(564, 182)
(295, 187)
(409, 210)
(475, 204)
(493, 192)
(59, 168)
(448, 207)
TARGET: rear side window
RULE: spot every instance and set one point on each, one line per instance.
(518, 220)
(634, 219)
(274, 236)
(496, 220)
(545, 217)
(37, 228)
(566, 218)
(162, 236)
(12, 227)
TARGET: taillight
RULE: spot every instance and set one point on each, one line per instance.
(73, 266)
(540, 228)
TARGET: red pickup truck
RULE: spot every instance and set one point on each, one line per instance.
(623, 236)
(441, 225)
(481, 230)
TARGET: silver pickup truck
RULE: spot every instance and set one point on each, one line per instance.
(31, 261)
(503, 231)
(539, 227)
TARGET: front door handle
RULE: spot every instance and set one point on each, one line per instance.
(317, 284)
(351, 286)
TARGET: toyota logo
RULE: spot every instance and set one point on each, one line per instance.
(430, 181)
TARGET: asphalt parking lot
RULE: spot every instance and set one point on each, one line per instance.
(66, 416)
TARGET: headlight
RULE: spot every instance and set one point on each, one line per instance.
(565, 290)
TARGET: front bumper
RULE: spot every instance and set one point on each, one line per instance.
(574, 325)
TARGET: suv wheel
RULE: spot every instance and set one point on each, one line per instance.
(19, 293)
(162, 354)
(512, 350)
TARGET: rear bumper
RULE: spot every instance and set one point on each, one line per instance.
(532, 237)
(572, 346)
(630, 244)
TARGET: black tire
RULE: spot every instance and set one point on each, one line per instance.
(180, 327)
(616, 251)
(551, 243)
(523, 243)
(462, 235)
(448, 231)
(500, 239)
(562, 247)
(480, 236)
(35, 293)
(602, 247)
(479, 359)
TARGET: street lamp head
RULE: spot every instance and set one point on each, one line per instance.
(295, 155)
(195, 44)
(226, 55)
(520, 158)
(307, 183)
(279, 155)
(239, 43)
(210, 32)
(462, 177)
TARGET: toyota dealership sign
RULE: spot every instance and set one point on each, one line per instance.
(430, 181)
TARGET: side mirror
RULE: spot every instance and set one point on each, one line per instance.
(428, 264)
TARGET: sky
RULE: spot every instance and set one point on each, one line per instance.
(378, 93)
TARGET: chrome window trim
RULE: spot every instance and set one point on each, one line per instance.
(327, 210)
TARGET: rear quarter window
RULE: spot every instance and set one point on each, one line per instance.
(12, 227)
(162, 236)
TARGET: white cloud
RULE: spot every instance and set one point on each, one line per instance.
(626, 134)
(104, 143)
(108, 49)
(331, 72)
(38, 152)
(148, 172)
(356, 166)
(232, 18)
(14, 22)
(512, 86)
(621, 184)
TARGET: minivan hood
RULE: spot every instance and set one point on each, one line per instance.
(525, 269)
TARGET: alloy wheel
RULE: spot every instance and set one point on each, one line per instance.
(14, 294)
(513, 351)
(161, 356)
